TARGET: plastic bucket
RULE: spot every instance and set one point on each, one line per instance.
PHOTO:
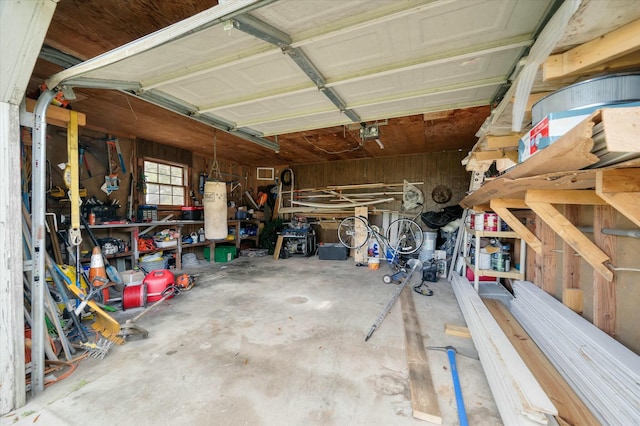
(428, 246)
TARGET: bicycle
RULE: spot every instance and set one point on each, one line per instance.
(403, 237)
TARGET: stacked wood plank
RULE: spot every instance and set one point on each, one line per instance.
(336, 199)
(519, 397)
(603, 372)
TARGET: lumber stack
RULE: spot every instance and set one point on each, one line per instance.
(519, 397)
(603, 372)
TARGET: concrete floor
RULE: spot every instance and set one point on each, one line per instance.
(265, 342)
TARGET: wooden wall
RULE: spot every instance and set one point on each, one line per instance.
(441, 168)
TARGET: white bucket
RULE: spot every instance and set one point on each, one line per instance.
(428, 246)
(484, 260)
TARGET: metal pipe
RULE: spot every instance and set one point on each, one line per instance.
(631, 233)
(38, 231)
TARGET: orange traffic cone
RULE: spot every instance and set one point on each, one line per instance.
(97, 270)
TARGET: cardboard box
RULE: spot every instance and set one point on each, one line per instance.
(554, 126)
(231, 213)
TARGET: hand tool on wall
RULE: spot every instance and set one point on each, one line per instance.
(413, 264)
(451, 353)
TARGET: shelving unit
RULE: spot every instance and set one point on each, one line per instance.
(514, 273)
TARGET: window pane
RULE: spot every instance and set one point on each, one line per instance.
(165, 190)
(165, 183)
(150, 167)
(152, 188)
(164, 169)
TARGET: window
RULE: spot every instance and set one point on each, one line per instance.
(165, 183)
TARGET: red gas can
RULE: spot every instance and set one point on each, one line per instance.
(157, 281)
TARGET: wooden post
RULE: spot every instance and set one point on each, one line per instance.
(360, 254)
(571, 293)
(604, 292)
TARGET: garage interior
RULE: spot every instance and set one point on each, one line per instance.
(217, 149)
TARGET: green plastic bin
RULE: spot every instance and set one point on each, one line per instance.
(224, 253)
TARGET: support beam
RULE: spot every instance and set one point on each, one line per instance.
(604, 292)
(12, 368)
(607, 48)
(571, 294)
(578, 196)
(569, 233)
(501, 206)
(57, 115)
(621, 189)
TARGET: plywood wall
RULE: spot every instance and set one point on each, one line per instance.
(442, 168)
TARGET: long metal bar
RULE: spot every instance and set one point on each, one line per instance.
(266, 32)
(415, 264)
(38, 166)
(198, 22)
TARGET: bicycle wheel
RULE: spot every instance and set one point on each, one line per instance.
(405, 236)
(347, 232)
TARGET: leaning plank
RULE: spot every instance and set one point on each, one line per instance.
(424, 399)
(519, 397)
(571, 409)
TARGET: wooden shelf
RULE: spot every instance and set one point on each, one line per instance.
(514, 273)
(503, 234)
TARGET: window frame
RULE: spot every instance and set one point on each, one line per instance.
(184, 186)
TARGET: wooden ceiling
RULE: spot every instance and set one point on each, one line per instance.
(87, 28)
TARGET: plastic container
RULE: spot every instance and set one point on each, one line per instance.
(224, 253)
(373, 252)
(333, 252)
(192, 213)
(156, 282)
(153, 265)
(428, 246)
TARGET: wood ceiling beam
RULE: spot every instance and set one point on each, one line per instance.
(56, 115)
(594, 53)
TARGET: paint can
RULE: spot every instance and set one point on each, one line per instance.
(479, 222)
(491, 222)
(134, 296)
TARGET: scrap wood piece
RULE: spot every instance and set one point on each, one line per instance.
(571, 409)
(424, 399)
(457, 330)
(344, 206)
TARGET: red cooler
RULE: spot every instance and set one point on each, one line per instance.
(157, 281)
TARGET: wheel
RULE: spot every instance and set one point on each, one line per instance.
(405, 236)
(387, 279)
(347, 232)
